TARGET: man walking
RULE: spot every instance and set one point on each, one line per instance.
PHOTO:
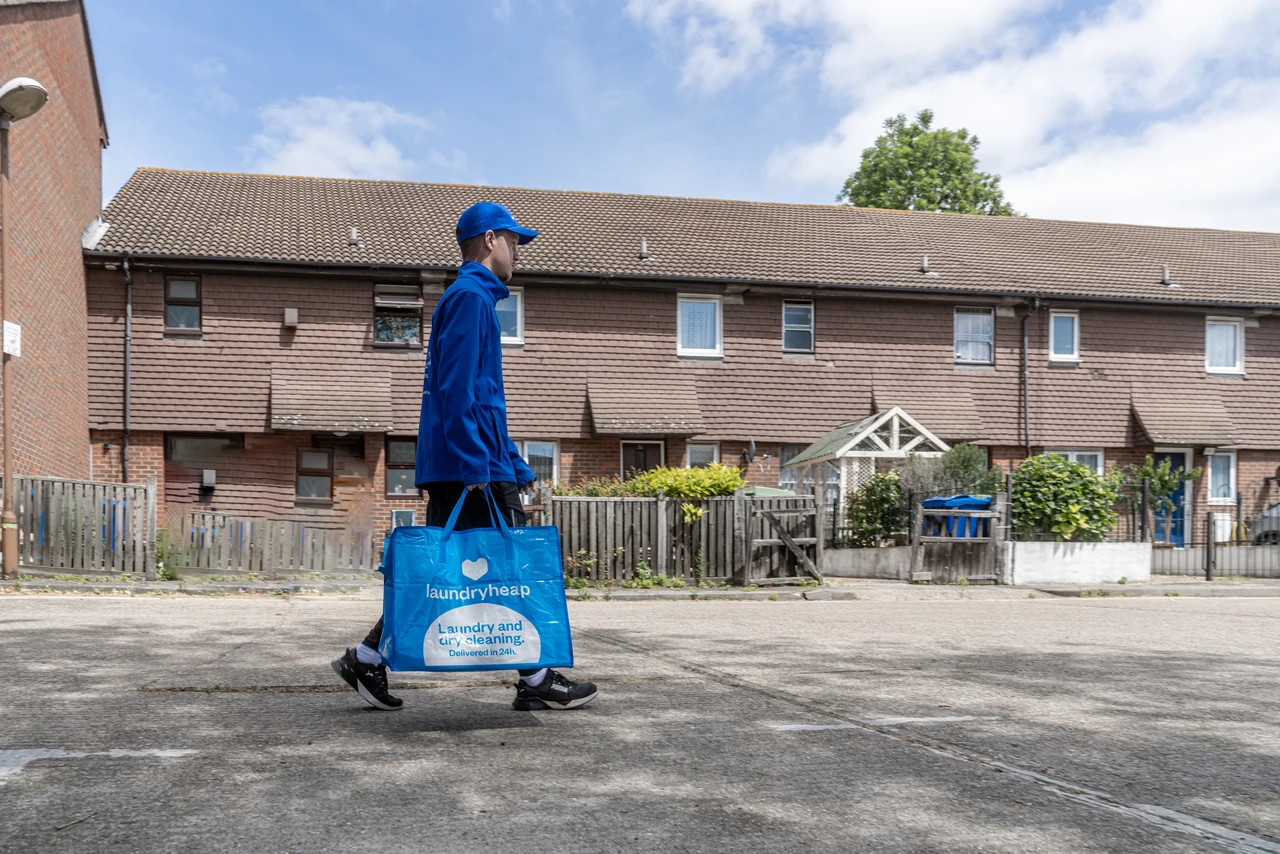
(463, 444)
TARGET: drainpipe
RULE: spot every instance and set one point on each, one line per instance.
(128, 366)
(1026, 381)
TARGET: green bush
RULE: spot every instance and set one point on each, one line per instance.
(875, 510)
(1053, 496)
(715, 479)
(962, 469)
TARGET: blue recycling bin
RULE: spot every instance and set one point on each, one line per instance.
(954, 525)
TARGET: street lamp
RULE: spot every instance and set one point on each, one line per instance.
(19, 98)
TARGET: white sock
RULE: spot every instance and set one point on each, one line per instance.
(368, 655)
(533, 680)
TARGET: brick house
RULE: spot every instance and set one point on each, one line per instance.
(56, 192)
(279, 322)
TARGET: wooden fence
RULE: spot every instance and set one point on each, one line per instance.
(610, 538)
(217, 544)
(78, 527)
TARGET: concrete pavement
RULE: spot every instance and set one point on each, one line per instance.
(1047, 724)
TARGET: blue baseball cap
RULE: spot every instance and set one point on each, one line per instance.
(490, 216)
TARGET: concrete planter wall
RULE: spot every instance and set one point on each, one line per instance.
(1077, 563)
(893, 563)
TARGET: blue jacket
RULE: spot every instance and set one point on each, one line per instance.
(462, 433)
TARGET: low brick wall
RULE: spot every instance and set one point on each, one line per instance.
(1077, 563)
(892, 563)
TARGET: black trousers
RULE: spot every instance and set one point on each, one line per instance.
(441, 498)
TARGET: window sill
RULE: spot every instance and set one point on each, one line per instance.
(382, 345)
(411, 496)
(798, 355)
(512, 344)
(1225, 375)
(313, 502)
(183, 333)
(700, 357)
(974, 366)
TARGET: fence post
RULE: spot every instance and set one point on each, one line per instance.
(819, 501)
(1146, 510)
(149, 533)
(1209, 556)
(1239, 532)
(998, 533)
(740, 573)
(664, 537)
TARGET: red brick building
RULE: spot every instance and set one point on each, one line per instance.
(279, 323)
(56, 184)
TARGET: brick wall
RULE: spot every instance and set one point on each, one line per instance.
(56, 184)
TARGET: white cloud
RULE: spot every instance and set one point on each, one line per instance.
(1062, 100)
(333, 137)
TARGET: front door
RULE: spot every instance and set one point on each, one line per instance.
(1175, 519)
(640, 456)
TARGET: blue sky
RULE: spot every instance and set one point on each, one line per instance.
(1156, 111)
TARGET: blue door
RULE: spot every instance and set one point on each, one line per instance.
(1177, 530)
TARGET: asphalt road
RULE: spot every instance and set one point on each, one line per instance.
(215, 724)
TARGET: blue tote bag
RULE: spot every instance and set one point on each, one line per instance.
(480, 599)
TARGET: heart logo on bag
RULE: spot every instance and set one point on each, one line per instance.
(475, 569)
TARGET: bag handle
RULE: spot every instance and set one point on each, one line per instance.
(495, 515)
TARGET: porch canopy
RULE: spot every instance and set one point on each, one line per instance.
(342, 399)
(853, 448)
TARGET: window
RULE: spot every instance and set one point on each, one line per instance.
(194, 448)
(699, 455)
(1064, 336)
(975, 336)
(543, 456)
(315, 475)
(400, 518)
(699, 327)
(397, 315)
(182, 306)
(1224, 345)
(797, 327)
(1094, 459)
(511, 317)
(402, 458)
(789, 476)
(638, 456)
(1222, 477)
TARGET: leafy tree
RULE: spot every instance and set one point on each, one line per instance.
(1163, 481)
(961, 469)
(917, 168)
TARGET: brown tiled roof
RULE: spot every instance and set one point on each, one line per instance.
(162, 212)
(644, 405)
(1170, 417)
(937, 399)
(344, 399)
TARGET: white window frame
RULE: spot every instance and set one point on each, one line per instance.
(716, 353)
(1075, 344)
(955, 339)
(1073, 454)
(622, 461)
(413, 516)
(813, 338)
(1238, 322)
(518, 294)
(1221, 502)
(522, 446)
(715, 451)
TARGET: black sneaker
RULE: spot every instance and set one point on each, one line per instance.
(553, 692)
(368, 680)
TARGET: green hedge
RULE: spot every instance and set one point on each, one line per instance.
(1063, 500)
(714, 480)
